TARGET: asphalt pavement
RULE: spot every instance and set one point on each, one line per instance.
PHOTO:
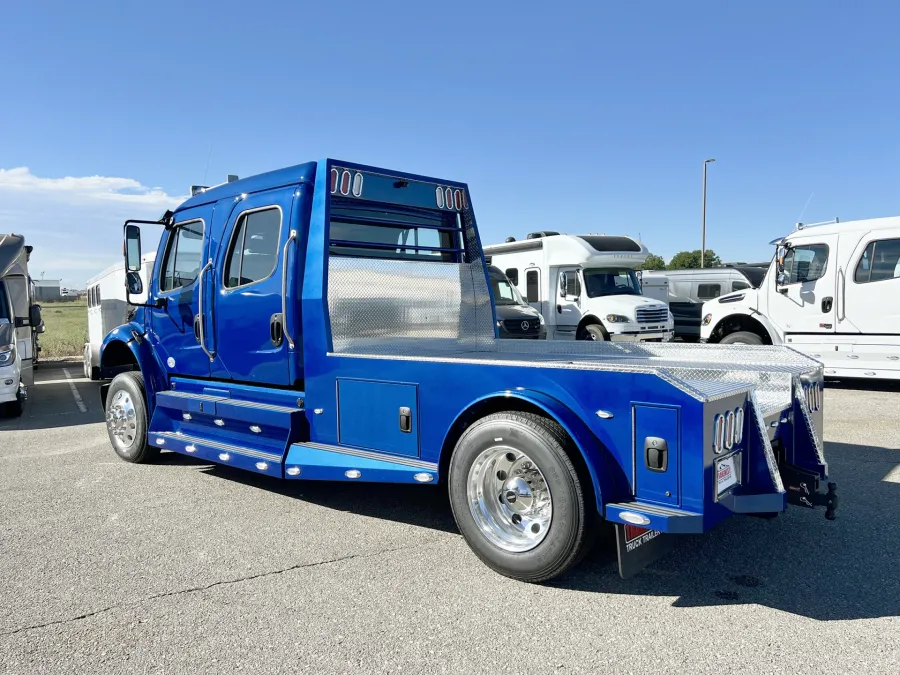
(183, 567)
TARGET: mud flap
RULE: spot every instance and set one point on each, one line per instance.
(638, 547)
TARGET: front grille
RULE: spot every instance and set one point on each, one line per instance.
(652, 315)
(516, 326)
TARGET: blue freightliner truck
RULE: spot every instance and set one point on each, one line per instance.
(332, 321)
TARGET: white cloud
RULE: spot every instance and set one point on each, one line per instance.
(75, 223)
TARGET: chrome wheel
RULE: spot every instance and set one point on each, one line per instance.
(509, 499)
(121, 420)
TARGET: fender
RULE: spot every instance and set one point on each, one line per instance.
(774, 333)
(589, 445)
(131, 336)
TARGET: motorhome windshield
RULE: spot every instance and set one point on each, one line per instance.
(602, 281)
(4, 304)
(505, 293)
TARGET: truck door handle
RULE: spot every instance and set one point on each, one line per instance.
(656, 454)
(197, 327)
(284, 280)
(826, 304)
(276, 329)
(405, 420)
(559, 309)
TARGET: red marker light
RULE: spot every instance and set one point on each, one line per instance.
(457, 199)
(345, 183)
(448, 196)
(334, 180)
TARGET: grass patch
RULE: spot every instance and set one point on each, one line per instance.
(66, 329)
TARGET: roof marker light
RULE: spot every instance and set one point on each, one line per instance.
(345, 183)
(438, 193)
(448, 197)
(457, 199)
(357, 184)
(334, 180)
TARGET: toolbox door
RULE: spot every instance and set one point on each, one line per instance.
(381, 416)
(657, 436)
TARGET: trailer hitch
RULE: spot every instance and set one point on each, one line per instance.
(803, 490)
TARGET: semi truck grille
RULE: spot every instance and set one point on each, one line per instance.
(652, 315)
(522, 326)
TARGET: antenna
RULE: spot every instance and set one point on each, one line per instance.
(208, 155)
(800, 218)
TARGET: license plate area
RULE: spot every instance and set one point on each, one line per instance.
(726, 474)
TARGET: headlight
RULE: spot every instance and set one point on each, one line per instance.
(7, 355)
(617, 318)
(707, 319)
(499, 323)
(541, 318)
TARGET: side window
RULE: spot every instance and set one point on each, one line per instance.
(513, 275)
(880, 261)
(253, 254)
(97, 298)
(805, 263)
(708, 291)
(184, 255)
(739, 285)
(532, 289)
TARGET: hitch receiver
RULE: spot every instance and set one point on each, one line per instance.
(803, 490)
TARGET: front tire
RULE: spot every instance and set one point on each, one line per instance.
(741, 337)
(594, 333)
(517, 497)
(126, 418)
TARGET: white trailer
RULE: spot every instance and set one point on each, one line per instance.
(832, 291)
(108, 307)
(584, 286)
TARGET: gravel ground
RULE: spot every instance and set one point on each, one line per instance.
(181, 567)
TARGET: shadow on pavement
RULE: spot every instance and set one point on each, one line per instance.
(798, 562)
(60, 397)
(863, 385)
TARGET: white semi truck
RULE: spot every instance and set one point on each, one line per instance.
(832, 291)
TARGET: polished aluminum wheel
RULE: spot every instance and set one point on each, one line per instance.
(509, 499)
(121, 420)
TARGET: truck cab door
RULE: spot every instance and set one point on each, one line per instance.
(869, 288)
(567, 309)
(804, 302)
(250, 338)
(177, 322)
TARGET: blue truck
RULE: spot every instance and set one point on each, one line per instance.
(333, 321)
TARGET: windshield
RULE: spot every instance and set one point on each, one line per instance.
(4, 304)
(611, 281)
(505, 293)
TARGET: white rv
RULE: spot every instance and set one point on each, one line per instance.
(20, 322)
(832, 291)
(108, 308)
(584, 286)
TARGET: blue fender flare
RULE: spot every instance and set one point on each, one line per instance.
(132, 336)
(589, 445)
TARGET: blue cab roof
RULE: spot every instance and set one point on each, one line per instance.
(289, 176)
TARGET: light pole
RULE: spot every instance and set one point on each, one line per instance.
(703, 241)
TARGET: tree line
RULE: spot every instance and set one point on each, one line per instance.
(685, 260)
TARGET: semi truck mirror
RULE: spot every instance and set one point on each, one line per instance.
(134, 283)
(563, 284)
(133, 249)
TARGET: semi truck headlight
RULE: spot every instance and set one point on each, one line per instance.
(7, 355)
(707, 319)
(541, 318)
(617, 318)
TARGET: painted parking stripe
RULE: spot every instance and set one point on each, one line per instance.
(81, 406)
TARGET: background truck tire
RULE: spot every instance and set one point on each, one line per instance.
(741, 337)
(594, 332)
(542, 443)
(126, 418)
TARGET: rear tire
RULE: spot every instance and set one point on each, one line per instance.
(126, 418)
(517, 497)
(741, 337)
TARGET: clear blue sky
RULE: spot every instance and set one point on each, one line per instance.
(579, 117)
